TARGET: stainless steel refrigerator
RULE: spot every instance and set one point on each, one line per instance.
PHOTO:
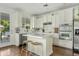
(76, 30)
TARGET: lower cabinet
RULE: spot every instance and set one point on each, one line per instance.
(40, 46)
(64, 43)
(35, 46)
(38, 49)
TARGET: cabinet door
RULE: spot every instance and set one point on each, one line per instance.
(30, 47)
(38, 49)
(65, 43)
(39, 22)
(32, 22)
(76, 13)
(57, 19)
(35, 22)
(68, 15)
(53, 21)
(61, 17)
(44, 19)
(49, 17)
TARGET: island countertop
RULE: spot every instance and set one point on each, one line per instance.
(39, 35)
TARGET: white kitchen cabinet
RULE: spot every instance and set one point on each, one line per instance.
(37, 49)
(32, 22)
(48, 17)
(57, 19)
(66, 44)
(53, 21)
(40, 19)
(38, 22)
(76, 13)
(68, 15)
(44, 19)
(61, 17)
(64, 17)
(63, 43)
(49, 45)
(56, 41)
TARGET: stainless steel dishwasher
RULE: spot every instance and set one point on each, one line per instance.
(22, 38)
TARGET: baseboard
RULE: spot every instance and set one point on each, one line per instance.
(62, 47)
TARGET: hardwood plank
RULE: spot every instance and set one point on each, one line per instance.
(19, 51)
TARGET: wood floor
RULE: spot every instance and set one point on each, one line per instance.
(17, 51)
(14, 51)
(59, 51)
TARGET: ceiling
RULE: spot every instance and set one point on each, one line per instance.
(36, 8)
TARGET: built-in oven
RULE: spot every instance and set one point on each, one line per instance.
(65, 35)
(65, 32)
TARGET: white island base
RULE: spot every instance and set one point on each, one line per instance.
(41, 46)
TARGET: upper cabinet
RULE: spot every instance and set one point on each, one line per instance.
(41, 19)
(61, 16)
(64, 16)
(38, 22)
(48, 17)
(58, 19)
(26, 23)
(68, 15)
(76, 14)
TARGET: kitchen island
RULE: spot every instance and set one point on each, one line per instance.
(40, 44)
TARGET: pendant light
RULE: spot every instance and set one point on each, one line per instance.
(45, 5)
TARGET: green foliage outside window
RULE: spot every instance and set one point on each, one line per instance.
(6, 25)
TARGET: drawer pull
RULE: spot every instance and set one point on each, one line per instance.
(36, 43)
(29, 41)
